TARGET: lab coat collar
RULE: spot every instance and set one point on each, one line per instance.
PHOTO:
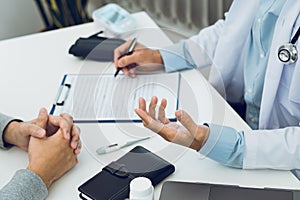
(282, 35)
(224, 68)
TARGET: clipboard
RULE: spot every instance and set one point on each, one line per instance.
(104, 98)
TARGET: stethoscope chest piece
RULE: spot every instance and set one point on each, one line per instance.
(288, 53)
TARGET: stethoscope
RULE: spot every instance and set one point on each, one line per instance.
(288, 53)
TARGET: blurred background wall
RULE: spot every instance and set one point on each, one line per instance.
(18, 17)
(185, 17)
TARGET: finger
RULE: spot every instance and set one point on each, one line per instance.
(78, 148)
(42, 119)
(128, 60)
(131, 72)
(162, 113)
(75, 137)
(62, 123)
(68, 129)
(186, 121)
(123, 67)
(120, 51)
(152, 106)
(144, 116)
(142, 104)
(117, 54)
(149, 122)
(34, 130)
(128, 64)
(125, 70)
(67, 117)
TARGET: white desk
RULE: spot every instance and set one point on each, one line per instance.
(31, 69)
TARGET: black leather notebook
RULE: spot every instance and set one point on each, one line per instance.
(96, 48)
(114, 179)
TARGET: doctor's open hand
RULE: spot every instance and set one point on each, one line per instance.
(187, 134)
(141, 60)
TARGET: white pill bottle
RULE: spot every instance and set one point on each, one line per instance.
(141, 189)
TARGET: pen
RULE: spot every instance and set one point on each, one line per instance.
(129, 52)
(116, 146)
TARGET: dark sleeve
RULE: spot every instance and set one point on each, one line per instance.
(4, 121)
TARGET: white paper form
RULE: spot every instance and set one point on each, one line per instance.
(104, 98)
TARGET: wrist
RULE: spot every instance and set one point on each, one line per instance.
(158, 57)
(9, 136)
(38, 171)
(201, 137)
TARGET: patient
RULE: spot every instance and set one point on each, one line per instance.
(52, 143)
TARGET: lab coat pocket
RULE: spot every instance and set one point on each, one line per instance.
(294, 94)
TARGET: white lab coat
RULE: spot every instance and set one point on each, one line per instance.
(277, 144)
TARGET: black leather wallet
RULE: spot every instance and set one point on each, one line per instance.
(114, 179)
(95, 48)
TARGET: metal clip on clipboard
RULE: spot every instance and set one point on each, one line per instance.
(62, 94)
(61, 97)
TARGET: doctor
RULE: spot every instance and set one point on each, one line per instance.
(249, 64)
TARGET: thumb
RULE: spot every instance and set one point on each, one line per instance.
(34, 130)
(186, 120)
(42, 119)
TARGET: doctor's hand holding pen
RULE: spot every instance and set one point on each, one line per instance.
(139, 58)
(187, 134)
